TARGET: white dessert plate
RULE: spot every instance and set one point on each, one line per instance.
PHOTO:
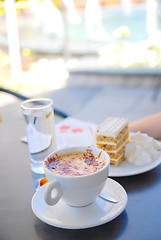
(63, 216)
(127, 169)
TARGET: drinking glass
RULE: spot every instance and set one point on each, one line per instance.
(39, 118)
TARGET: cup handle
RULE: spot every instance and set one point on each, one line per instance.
(52, 199)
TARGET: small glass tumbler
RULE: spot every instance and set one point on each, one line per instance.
(39, 118)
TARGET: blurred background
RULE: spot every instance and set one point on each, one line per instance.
(45, 44)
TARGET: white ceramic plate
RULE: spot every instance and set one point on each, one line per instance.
(127, 169)
(63, 216)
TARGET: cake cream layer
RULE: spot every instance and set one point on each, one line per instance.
(117, 153)
(117, 161)
(108, 145)
(109, 150)
(113, 127)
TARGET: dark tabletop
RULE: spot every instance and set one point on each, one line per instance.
(141, 220)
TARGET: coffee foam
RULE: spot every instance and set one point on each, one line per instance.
(75, 163)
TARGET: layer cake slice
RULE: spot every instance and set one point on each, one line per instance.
(112, 135)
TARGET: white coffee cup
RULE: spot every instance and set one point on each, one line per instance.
(76, 191)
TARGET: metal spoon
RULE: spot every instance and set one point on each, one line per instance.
(107, 197)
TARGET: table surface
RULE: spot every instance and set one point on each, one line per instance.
(141, 220)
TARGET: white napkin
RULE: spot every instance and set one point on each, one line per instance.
(72, 132)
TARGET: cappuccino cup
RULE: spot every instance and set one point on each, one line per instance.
(76, 175)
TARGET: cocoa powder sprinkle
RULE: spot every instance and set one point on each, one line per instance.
(75, 163)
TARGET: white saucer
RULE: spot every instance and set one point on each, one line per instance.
(127, 169)
(63, 216)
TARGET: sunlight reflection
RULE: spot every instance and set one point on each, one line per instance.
(93, 21)
(13, 41)
(47, 17)
(127, 7)
(151, 21)
(46, 75)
